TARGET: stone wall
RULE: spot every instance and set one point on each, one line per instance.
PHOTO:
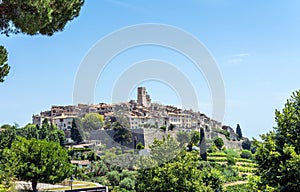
(147, 136)
(106, 137)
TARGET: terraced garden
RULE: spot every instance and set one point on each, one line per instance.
(235, 169)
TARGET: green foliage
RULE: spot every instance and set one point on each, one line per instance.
(92, 121)
(226, 133)
(239, 188)
(7, 137)
(246, 144)
(164, 128)
(77, 131)
(212, 149)
(140, 146)
(245, 169)
(239, 132)
(182, 137)
(244, 160)
(217, 154)
(217, 159)
(278, 153)
(195, 138)
(213, 178)
(37, 161)
(164, 150)
(113, 178)
(4, 67)
(230, 172)
(47, 131)
(231, 160)
(37, 16)
(127, 183)
(246, 154)
(91, 156)
(122, 135)
(232, 153)
(179, 174)
(5, 180)
(219, 142)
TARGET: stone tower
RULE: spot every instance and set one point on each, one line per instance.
(142, 97)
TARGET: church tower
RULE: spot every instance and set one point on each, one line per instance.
(142, 97)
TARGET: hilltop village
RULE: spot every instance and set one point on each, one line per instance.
(139, 114)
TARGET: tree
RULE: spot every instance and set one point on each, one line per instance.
(48, 132)
(38, 161)
(37, 16)
(239, 132)
(171, 127)
(182, 137)
(164, 150)
(32, 17)
(127, 184)
(278, 155)
(121, 135)
(219, 142)
(195, 139)
(113, 178)
(179, 174)
(4, 67)
(203, 153)
(246, 144)
(76, 131)
(92, 121)
(7, 137)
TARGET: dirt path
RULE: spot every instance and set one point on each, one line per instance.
(235, 183)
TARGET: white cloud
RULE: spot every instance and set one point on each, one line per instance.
(238, 58)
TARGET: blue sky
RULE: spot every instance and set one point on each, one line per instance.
(255, 43)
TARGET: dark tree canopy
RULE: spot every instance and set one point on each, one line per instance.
(38, 161)
(239, 132)
(37, 16)
(203, 153)
(32, 17)
(4, 67)
(122, 135)
(76, 131)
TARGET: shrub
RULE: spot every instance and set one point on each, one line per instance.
(127, 184)
(114, 178)
(219, 159)
(164, 128)
(246, 154)
(217, 154)
(219, 143)
(239, 188)
(232, 152)
(230, 171)
(212, 149)
(231, 160)
(140, 146)
(226, 133)
(246, 144)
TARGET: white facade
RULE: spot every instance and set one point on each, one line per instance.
(63, 122)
